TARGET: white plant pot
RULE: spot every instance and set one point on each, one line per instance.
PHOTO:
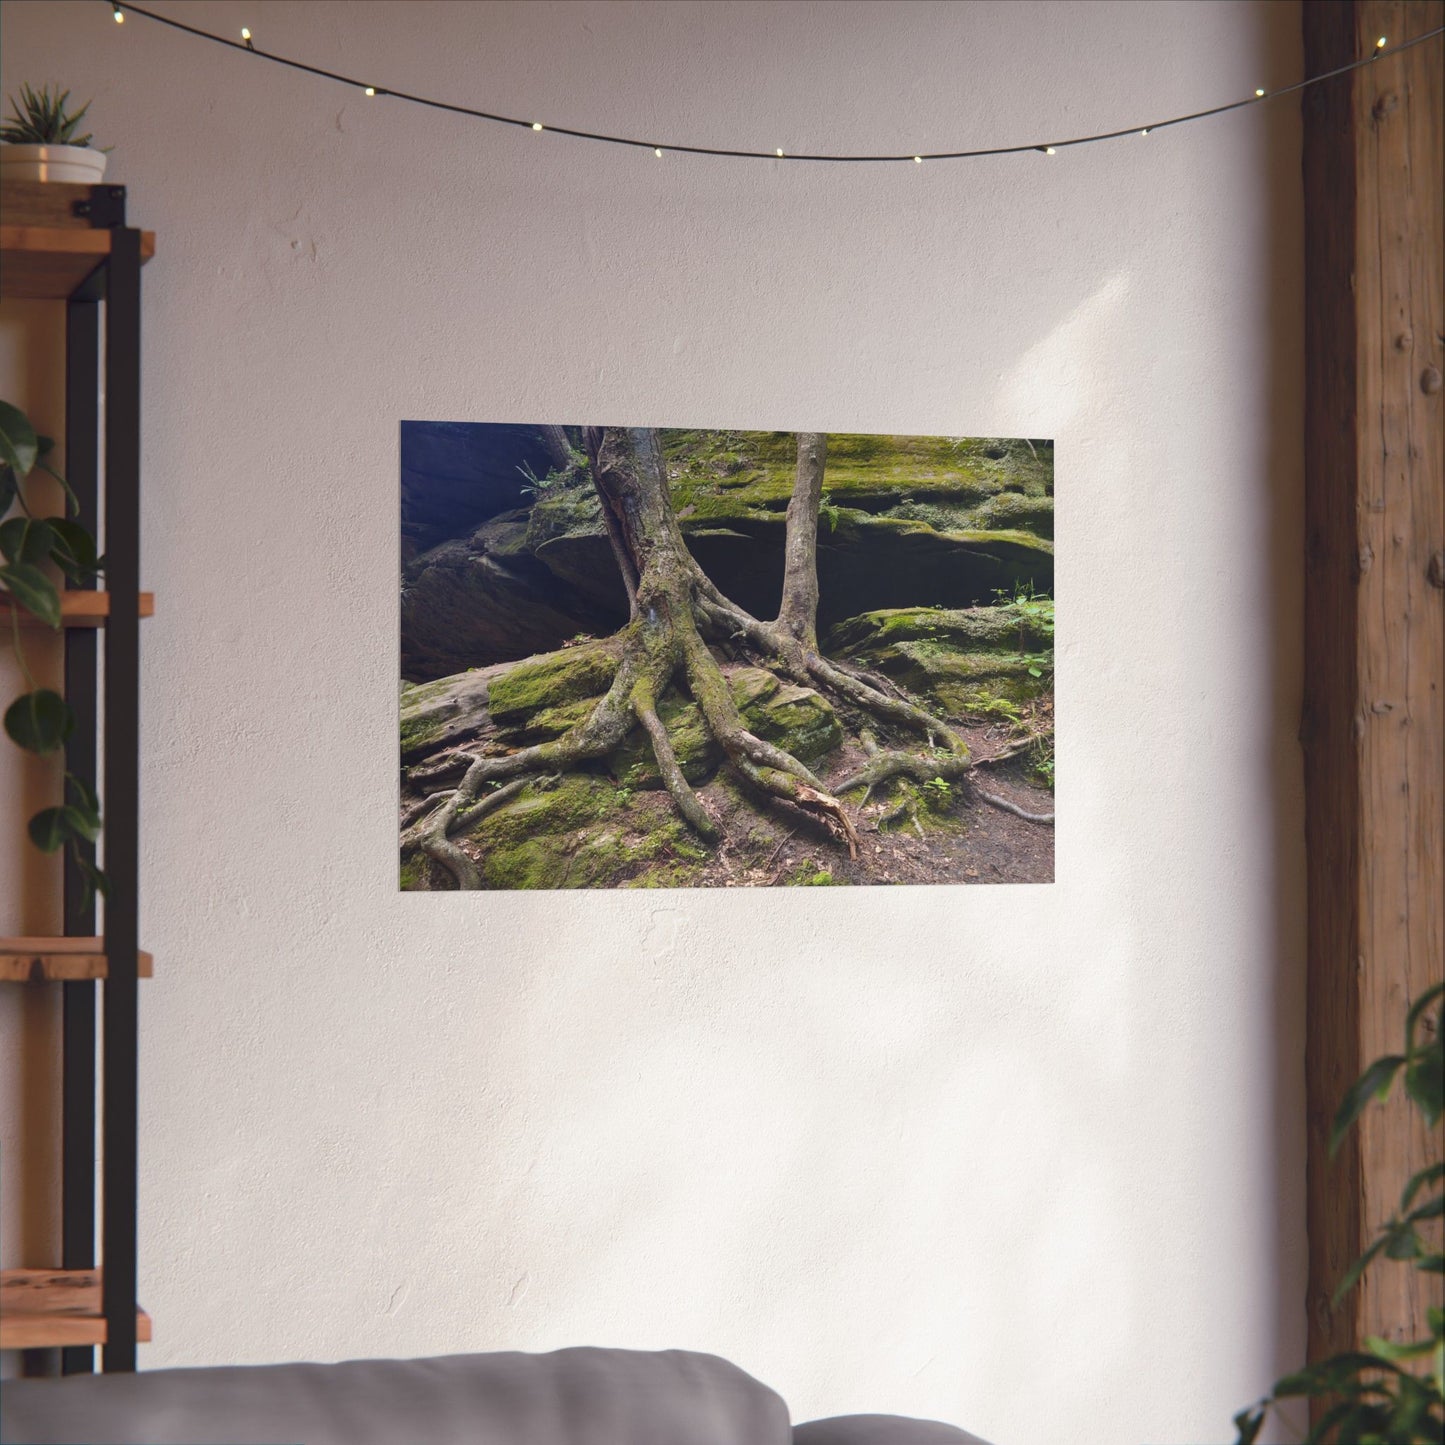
(80, 165)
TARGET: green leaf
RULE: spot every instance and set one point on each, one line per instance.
(48, 831)
(39, 721)
(33, 590)
(1427, 1175)
(24, 540)
(19, 446)
(74, 549)
(1416, 1009)
(1388, 1350)
(1249, 1423)
(1402, 1243)
(8, 488)
(91, 877)
(1425, 1081)
(1374, 1083)
(1357, 1269)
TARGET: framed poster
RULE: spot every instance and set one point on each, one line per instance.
(665, 658)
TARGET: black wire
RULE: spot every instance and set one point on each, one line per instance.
(248, 47)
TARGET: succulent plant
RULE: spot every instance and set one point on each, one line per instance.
(40, 118)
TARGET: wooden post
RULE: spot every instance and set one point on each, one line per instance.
(1374, 717)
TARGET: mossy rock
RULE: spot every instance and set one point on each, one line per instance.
(433, 713)
(552, 679)
(581, 832)
(976, 660)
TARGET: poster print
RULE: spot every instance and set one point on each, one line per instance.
(666, 658)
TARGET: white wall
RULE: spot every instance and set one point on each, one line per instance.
(1026, 1159)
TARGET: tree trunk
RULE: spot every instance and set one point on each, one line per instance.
(799, 612)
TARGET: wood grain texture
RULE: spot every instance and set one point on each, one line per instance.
(78, 609)
(36, 960)
(1374, 721)
(50, 204)
(48, 263)
(48, 1308)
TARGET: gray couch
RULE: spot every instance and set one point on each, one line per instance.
(572, 1397)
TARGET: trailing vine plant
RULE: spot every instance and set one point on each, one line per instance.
(40, 720)
(1375, 1396)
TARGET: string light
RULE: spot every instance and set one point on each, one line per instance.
(119, 7)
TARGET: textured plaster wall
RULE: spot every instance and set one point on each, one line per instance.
(1025, 1159)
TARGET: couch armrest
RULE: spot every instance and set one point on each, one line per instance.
(880, 1430)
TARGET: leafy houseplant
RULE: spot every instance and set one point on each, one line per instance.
(40, 720)
(40, 141)
(1374, 1399)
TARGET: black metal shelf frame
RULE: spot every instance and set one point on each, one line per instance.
(115, 285)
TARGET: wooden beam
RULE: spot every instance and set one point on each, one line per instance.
(1374, 717)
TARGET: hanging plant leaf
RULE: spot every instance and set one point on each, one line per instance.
(91, 877)
(39, 721)
(22, 539)
(73, 548)
(8, 489)
(19, 446)
(33, 590)
(48, 831)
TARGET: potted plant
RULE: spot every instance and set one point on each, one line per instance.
(40, 144)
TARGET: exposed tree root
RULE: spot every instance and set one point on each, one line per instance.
(995, 801)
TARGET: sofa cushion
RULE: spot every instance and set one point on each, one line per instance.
(572, 1397)
(880, 1430)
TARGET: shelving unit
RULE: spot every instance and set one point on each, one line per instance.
(71, 243)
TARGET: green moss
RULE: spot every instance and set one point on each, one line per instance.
(871, 473)
(807, 876)
(413, 873)
(555, 678)
(578, 834)
(418, 730)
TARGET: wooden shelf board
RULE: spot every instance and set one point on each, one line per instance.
(49, 262)
(49, 1308)
(36, 960)
(79, 609)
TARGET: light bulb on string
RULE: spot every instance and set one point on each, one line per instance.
(537, 125)
(918, 160)
(657, 151)
(779, 154)
(246, 36)
(1380, 43)
(1259, 93)
(119, 14)
(1145, 131)
(1050, 151)
(370, 90)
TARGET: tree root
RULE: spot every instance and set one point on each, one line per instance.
(995, 801)
(683, 797)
